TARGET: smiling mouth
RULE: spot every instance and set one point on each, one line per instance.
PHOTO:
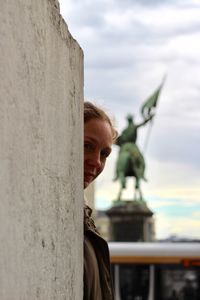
(89, 176)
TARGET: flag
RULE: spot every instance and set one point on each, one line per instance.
(151, 102)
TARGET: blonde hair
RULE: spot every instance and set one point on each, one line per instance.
(92, 111)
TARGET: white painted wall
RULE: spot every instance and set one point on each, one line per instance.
(41, 96)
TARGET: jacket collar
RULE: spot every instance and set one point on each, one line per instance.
(88, 220)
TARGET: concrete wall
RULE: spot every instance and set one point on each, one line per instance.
(41, 94)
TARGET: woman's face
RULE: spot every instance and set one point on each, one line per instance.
(97, 147)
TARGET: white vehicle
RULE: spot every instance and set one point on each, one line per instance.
(155, 271)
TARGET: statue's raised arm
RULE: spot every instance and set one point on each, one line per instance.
(129, 134)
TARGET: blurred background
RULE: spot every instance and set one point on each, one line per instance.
(128, 47)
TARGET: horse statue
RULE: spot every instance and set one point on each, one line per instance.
(130, 160)
(130, 163)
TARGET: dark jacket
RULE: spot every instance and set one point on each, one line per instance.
(97, 275)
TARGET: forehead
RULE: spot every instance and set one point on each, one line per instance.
(98, 130)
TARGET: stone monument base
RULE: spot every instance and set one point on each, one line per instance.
(131, 221)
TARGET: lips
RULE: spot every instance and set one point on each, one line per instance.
(89, 176)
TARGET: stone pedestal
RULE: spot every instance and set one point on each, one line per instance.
(131, 221)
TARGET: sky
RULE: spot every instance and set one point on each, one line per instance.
(129, 45)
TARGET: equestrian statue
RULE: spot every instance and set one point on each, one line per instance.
(130, 162)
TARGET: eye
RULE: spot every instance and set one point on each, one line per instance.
(88, 146)
(105, 153)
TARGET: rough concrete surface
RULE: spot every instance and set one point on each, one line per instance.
(41, 95)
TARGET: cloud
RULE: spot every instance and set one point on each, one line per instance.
(173, 225)
(196, 214)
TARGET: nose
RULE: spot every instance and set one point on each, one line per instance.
(95, 160)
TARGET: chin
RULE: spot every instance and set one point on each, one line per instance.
(86, 184)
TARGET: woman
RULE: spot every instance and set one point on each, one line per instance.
(99, 135)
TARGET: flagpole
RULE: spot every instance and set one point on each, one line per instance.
(147, 136)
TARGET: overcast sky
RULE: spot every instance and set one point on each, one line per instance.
(128, 47)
